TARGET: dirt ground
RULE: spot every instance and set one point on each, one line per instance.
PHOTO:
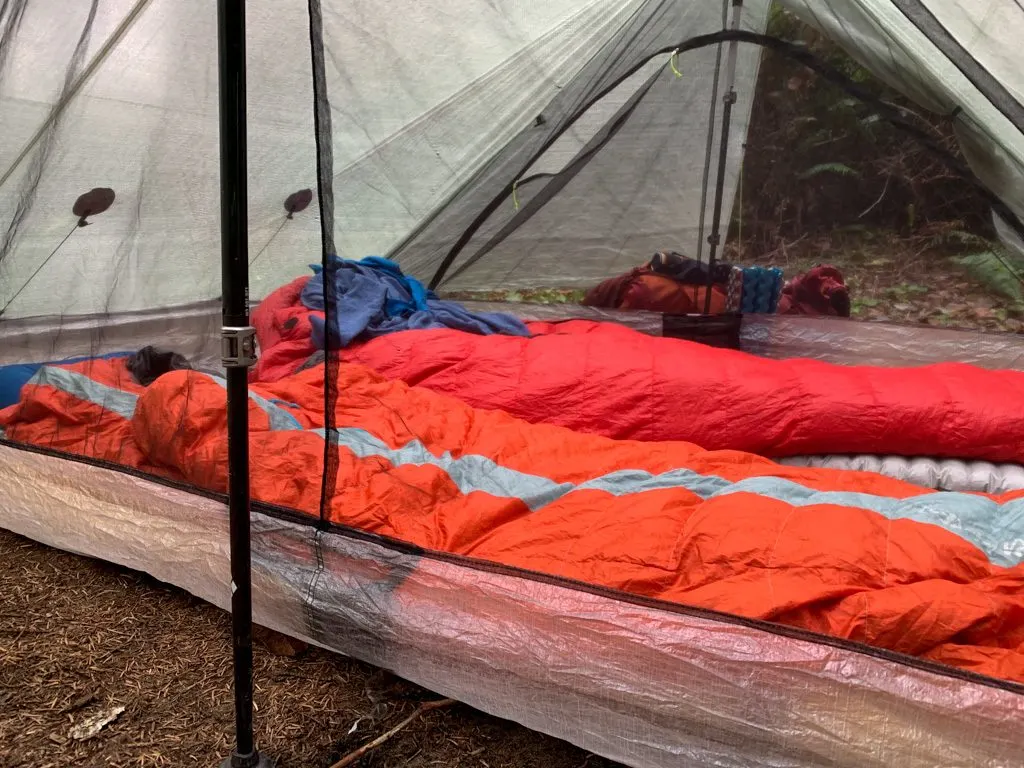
(890, 279)
(903, 280)
(79, 637)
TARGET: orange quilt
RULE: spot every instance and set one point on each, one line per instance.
(853, 555)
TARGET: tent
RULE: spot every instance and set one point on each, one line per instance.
(479, 145)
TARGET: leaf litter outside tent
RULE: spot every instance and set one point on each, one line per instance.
(907, 280)
(77, 635)
(891, 279)
(94, 723)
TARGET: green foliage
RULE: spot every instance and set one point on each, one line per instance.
(818, 159)
(991, 270)
(525, 296)
(550, 297)
(907, 290)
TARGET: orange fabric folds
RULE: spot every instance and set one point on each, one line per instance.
(853, 555)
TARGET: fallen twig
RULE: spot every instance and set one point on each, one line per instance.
(881, 197)
(352, 757)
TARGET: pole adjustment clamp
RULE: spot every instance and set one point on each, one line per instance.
(238, 347)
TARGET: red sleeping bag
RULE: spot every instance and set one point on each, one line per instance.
(609, 380)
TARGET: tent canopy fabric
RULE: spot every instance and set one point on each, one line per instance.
(430, 121)
(481, 145)
(122, 94)
(951, 58)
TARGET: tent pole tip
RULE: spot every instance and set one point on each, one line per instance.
(254, 760)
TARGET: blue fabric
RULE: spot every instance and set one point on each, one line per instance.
(761, 289)
(14, 377)
(374, 298)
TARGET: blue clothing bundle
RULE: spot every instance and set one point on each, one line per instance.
(374, 298)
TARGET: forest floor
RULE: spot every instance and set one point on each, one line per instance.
(890, 279)
(910, 280)
(80, 637)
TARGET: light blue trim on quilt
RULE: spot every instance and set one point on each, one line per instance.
(996, 529)
(109, 398)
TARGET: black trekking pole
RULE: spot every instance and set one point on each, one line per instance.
(238, 350)
(714, 238)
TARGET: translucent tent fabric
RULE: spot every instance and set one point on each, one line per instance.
(610, 211)
(952, 58)
(417, 112)
(122, 95)
(637, 684)
(443, 115)
(633, 176)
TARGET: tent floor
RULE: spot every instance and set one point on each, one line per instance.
(79, 635)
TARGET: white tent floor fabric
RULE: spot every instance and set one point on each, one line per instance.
(642, 684)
